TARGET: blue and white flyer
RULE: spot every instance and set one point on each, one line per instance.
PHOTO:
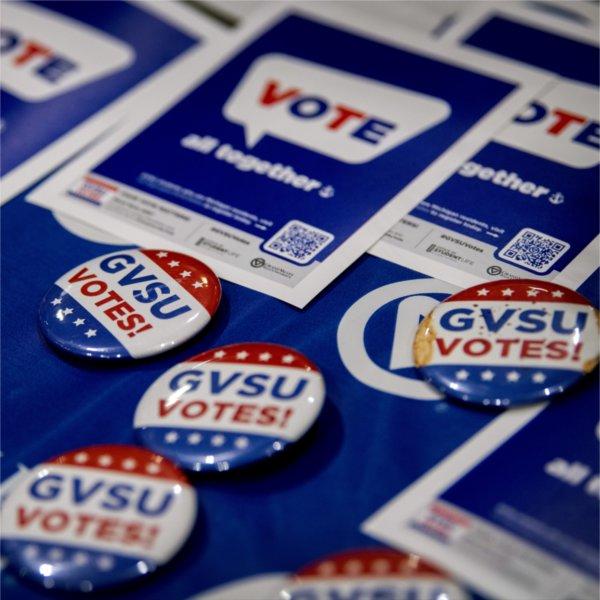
(526, 205)
(514, 512)
(285, 157)
(67, 68)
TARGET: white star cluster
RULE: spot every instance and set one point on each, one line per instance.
(216, 441)
(489, 375)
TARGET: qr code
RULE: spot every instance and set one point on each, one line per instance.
(533, 250)
(298, 242)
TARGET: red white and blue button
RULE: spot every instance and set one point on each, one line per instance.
(264, 586)
(508, 342)
(230, 406)
(371, 573)
(130, 304)
(97, 517)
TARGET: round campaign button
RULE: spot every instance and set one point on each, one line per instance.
(508, 342)
(230, 406)
(130, 304)
(96, 517)
(265, 586)
(371, 573)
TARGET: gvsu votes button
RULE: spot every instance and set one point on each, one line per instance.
(508, 342)
(230, 406)
(130, 304)
(96, 517)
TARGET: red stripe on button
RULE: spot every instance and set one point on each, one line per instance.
(123, 459)
(196, 278)
(257, 353)
(370, 563)
(520, 290)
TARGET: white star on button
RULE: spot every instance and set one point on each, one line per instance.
(538, 377)
(105, 563)
(507, 292)
(219, 354)
(56, 301)
(105, 460)
(513, 376)
(217, 440)
(532, 293)
(198, 284)
(171, 437)
(264, 356)
(90, 333)
(353, 567)
(557, 294)
(81, 457)
(56, 554)
(483, 292)
(129, 464)
(462, 374)
(327, 569)
(185, 274)
(80, 558)
(78, 322)
(243, 355)
(487, 375)
(152, 468)
(381, 566)
(241, 442)
(67, 311)
(194, 438)
(162, 254)
(31, 551)
(288, 358)
(173, 263)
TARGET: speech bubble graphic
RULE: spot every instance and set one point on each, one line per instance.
(562, 126)
(345, 116)
(44, 54)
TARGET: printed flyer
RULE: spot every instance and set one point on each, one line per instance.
(516, 517)
(62, 64)
(526, 205)
(287, 160)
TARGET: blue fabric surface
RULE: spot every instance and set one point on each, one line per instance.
(366, 446)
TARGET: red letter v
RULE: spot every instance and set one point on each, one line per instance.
(445, 350)
(271, 94)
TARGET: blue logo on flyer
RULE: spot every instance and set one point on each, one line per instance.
(389, 314)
